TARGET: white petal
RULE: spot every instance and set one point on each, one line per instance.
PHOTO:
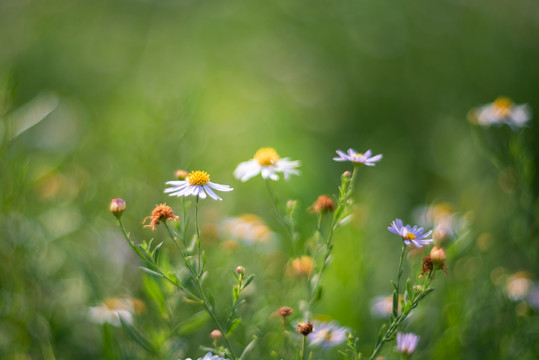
(201, 193)
(219, 187)
(211, 193)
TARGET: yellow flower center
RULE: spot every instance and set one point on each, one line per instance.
(267, 156)
(198, 178)
(409, 236)
(503, 105)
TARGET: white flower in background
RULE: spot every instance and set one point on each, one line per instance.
(446, 223)
(197, 183)
(406, 343)
(501, 111)
(327, 335)
(382, 306)
(114, 309)
(518, 285)
(267, 163)
(247, 228)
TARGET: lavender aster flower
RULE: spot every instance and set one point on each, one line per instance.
(197, 183)
(406, 343)
(209, 356)
(327, 335)
(358, 158)
(410, 235)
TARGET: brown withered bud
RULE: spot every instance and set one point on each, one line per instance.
(284, 311)
(322, 205)
(305, 328)
(181, 174)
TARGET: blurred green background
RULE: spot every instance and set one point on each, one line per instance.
(100, 99)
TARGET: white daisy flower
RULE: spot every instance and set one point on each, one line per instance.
(501, 111)
(267, 163)
(197, 183)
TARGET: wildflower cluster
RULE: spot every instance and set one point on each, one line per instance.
(312, 259)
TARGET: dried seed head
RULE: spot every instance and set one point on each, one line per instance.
(161, 212)
(305, 328)
(323, 205)
(284, 311)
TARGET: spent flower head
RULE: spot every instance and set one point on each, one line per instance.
(406, 343)
(322, 205)
(501, 111)
(327, 335)
(410, 235)
(267, 163)
(284, 311)
(358, 158)
(117, 207)
(161, 212)
(305, 328)
(196, 183)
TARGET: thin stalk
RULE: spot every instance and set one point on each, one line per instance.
(202, 295)
(399, 274)
(303, 347)
(159, 271)
(399, 319)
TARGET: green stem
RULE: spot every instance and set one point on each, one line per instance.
(303, 347)
(393, 327)
(399, 274)
(202, 295)
(337, 217)
(288, 225)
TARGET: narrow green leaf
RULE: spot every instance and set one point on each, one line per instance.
(193, 323)
(381, 333)
(155, 292)
(138, 338)
(151, 272)
(248, 348)
(248, 281)
(410, 289)
(395, 303)
(211, 300)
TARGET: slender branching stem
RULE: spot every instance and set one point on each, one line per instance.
(202, 295)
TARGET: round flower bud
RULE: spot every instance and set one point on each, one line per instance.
(117, 207)
(216, 334)
(181, 174)
(240, 270)
(305, 328)
(284, 311)
(437, 255)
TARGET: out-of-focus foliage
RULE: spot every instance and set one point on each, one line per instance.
(100, 99)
